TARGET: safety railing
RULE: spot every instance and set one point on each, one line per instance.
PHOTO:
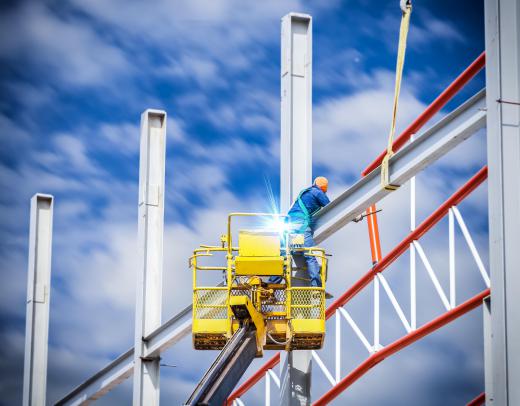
(375, 350)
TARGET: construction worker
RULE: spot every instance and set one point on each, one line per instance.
(308, 202)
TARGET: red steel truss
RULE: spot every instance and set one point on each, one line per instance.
(401, 343)
(400, 249)
(470, 72)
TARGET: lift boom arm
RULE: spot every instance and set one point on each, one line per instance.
(223, 375)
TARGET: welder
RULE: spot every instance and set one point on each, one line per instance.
(308, 202)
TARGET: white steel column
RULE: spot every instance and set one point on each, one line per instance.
(38, 295)
(296, 115)
(149, 275)
(296, 167)
(503, 140)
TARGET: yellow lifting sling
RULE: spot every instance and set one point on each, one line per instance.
(406, 7)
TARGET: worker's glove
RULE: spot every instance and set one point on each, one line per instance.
(404, 4)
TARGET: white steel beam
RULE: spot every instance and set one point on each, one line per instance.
(295, 167)
(435, 142)
(502, 19)
(471, 245)
(38, 295)
(122, 368)
(149, 275)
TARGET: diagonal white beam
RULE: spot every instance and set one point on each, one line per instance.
(471, 245)
(428, 147)
(356, 329)
(394, 302)
(323, 368)
(432, 275)
(435, 142)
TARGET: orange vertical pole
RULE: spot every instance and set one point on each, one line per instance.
(373, 234)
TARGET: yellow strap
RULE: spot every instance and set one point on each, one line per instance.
(403, 33)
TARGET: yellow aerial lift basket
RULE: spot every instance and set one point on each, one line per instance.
(284, 316)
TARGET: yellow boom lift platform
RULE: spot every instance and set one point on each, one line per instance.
(247, 307)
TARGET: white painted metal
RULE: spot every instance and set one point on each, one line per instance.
(296, 166)
(488, 365)
(149, 276)
(267, 389)
(296, 113)
(413, 279)
(238, 402)
(323, 368)
(275, 377)
(432, 275)
(442, 137)
(451, 242)
(413, 288)
(376, 313)
(502, 19)
(337, 369)
(122, 368)
(394, 302)
(38, 296)
(357, 330)
(471, 245)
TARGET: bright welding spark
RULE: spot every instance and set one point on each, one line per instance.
(277, 224)
(273, 204)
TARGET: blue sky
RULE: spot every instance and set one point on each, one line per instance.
(74, 79)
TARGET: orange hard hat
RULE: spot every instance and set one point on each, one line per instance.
(322, 183)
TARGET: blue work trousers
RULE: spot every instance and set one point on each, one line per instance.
(313, 268)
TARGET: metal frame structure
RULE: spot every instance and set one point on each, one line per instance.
(38, 300)
(503, 122)
(445, 135)
(296, 167)
(376, 350)
(503, 94)
(149, 276)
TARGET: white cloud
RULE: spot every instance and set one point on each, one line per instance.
(433, 29)
(68, 47)
(349, 130)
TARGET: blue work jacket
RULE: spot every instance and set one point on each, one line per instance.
(313, 199)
